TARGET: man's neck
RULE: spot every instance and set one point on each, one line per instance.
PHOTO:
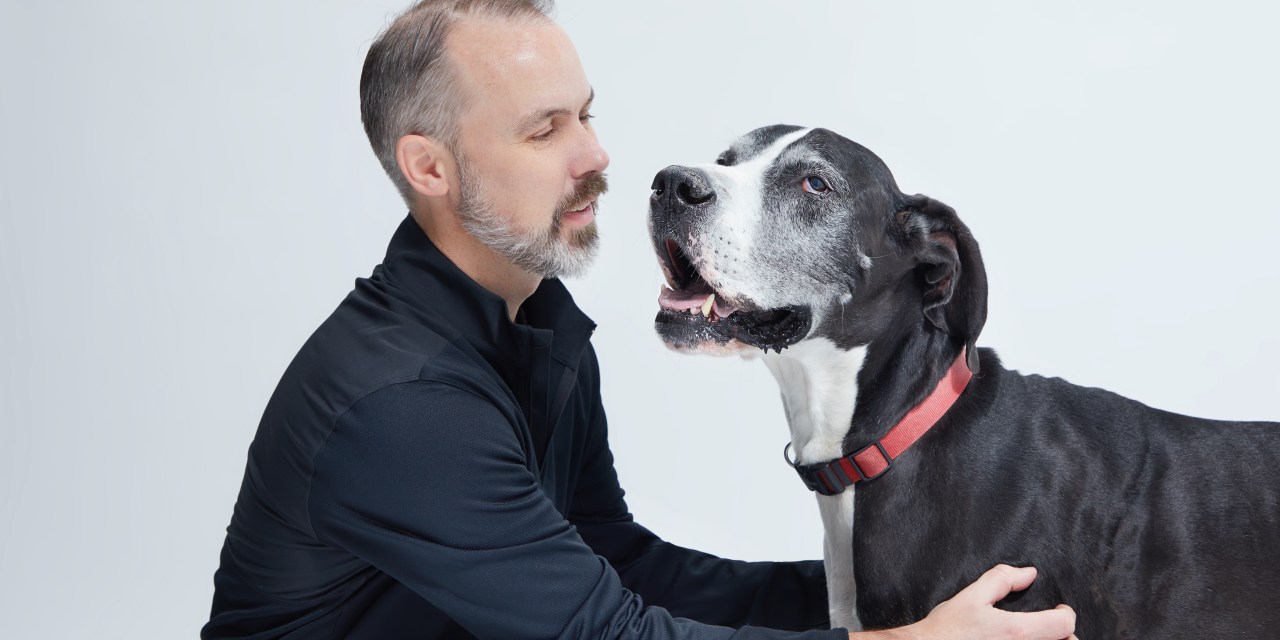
(490, 270)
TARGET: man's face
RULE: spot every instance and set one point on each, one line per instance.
(530, 167)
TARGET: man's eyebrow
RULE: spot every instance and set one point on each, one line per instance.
(531, 121)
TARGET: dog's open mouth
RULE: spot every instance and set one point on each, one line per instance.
(693, 311)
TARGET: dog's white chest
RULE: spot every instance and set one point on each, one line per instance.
(837, 559)
(819, 391)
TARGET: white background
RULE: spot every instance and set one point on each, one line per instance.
(186, 192)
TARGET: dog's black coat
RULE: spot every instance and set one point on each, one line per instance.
(1149, 524)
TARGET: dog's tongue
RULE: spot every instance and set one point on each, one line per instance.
(684, 299)
(693, 297)
(723, 310)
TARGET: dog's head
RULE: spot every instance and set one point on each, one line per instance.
(800, 233)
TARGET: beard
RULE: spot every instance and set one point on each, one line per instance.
(544, 251)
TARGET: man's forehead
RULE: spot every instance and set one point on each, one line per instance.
(501, 45)
(518, 66)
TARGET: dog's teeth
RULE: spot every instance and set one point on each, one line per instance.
(706, 306)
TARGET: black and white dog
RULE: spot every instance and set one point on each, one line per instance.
(1148, 523)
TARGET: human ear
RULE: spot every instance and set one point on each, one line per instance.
(425, 164)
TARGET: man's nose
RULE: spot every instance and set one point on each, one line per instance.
(681, 187)
(591, 157)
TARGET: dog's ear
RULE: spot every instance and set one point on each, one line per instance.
(950, 267)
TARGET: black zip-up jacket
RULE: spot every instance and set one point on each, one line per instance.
(427, 468)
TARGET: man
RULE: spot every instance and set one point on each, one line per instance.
(434, 462)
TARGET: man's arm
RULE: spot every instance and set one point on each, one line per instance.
(691, 584)
(428, 483)
(688, 583)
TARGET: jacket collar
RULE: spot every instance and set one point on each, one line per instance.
(426, 280)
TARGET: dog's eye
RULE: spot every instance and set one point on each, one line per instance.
(814, 184)
(725, 159)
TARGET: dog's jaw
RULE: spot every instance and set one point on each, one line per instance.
(819, 392)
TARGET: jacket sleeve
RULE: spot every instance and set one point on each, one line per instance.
(688, 583)
(428, 483)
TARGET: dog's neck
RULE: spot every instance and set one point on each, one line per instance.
(898, 372)
(838, 400)
(819, 393)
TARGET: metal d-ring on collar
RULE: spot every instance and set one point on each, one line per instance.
(834, 476)
(835, 480)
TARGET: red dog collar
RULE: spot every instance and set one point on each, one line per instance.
(831, 478)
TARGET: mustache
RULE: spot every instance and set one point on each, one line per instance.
(587, 190)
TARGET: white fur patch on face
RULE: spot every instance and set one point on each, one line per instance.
(819, 388)
(740, 190)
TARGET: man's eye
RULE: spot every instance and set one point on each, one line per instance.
(585, 117)
(543, 137)
(814, 184)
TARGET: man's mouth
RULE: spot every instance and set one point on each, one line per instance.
(690, 305)
(580, 214)
(580, 206)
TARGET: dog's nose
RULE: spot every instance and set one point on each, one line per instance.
(682, 186)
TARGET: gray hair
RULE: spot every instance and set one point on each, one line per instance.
(408, 84)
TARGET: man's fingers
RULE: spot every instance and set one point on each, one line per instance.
(1073, 619)
(971, 611)
(1054, 624)
(997, 582)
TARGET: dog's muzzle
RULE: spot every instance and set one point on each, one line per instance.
(693, 311)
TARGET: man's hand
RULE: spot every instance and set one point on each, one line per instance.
(971, 616)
